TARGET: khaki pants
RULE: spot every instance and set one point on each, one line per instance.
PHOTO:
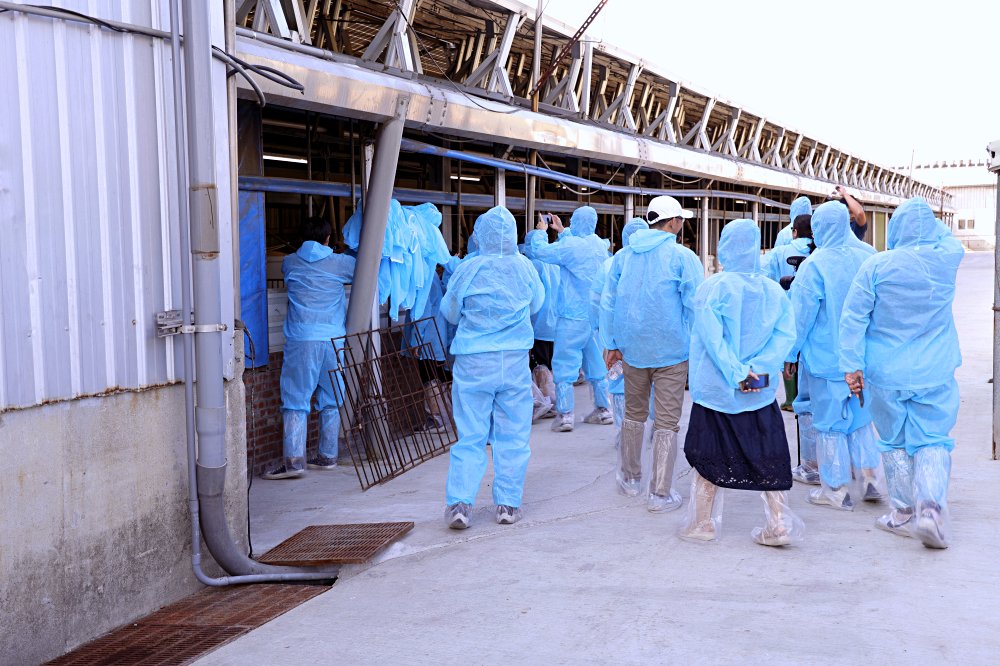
(668, 386)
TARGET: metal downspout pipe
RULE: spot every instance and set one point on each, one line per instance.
(199, 236)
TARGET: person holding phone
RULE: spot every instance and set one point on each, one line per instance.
(845, 439)
(898, 344)
(579, 256)
(743, 330)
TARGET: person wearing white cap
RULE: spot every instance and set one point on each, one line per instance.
(647, 309)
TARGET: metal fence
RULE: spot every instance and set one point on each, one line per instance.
(395, 403)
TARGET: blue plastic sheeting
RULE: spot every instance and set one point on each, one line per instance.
(253, 278)
(412, 249)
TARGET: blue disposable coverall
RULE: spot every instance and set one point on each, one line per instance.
(742, 322)
(490, 299)
(579, 257)
(801, 206)
(897, 327)
(616, 387)
(844, 436)
(315, 278)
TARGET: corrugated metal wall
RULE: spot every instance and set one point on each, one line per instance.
(88, 235)
(977, 196)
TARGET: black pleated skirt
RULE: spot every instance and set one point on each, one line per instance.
(747, 451)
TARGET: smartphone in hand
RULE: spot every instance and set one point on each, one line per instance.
(762, 381)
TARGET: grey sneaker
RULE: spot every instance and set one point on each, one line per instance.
(629, 487)
(838, 499)
(805, 474)
(321, 462)
(456, 516)
(600, 416)
(282, 472)
(508, 515)
(929, 528)
(563, 422)
(897, 522)
(872, 493)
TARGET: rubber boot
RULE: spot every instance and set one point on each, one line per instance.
(898, 465)
(791, 391)
(931, 472)
(662, 497)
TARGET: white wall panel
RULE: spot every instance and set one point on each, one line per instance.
(89, 246)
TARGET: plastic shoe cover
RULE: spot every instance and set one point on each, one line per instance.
(508, 515)
(664, 503)
(630, 457)
(329, 433)
(456, 516)
(283, 472)
(898, 466)
(322, 462)
(543, 378)
(931, 472)
(629, 487)
(295, 425)
(838, 498)
(580, 380)
(871, 491)
(664, 457)
(783, 527)
(618, 407)
(600, 416)
(896, 522)
(867, 464)
(807, 472)
(704, 515)
(551, 414)
(563, 422)
(931, 527)
(564, 397)
(807, 437)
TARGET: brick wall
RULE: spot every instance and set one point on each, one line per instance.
(264, 423)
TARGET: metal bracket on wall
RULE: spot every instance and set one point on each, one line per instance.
(171, 322)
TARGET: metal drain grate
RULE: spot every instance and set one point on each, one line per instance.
(335, 544)
(194, 626)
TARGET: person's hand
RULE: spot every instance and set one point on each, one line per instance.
(855, 381)
(540, 225)
(750, 375)
(841, 190)
(790, 369)
(611, 356)
(557, 224)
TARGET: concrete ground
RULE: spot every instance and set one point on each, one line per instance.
(590, 576)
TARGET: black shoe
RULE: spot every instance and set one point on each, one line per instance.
(322, 462)
(283, 472)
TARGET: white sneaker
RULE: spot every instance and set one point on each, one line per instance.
(508, 515)
(838, 499)
(600, 416)
(896, 522)
(804, 474)
(563, 422)
(663, 503)
(929, 529)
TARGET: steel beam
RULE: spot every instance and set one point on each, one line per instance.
(395, 40)
(492, 72)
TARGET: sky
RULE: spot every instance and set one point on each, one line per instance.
(881, 79)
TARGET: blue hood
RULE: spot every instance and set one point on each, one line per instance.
(645, 240)
(830, 224)
(913, 224)
(312, 251)
(801, 206)
(739, 247)
(496, 232)
(635, 225)
(583, 222)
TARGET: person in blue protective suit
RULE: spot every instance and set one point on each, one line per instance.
(616, 386)
(899, 345)
(845, 441)
(544, 323)
(490, 300)
(315, 279)
(778, 267)
(647, 308)
(743, 330)
(579, 256)
(801, 206)
(427, 340)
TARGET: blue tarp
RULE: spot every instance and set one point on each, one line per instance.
(253, 277)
